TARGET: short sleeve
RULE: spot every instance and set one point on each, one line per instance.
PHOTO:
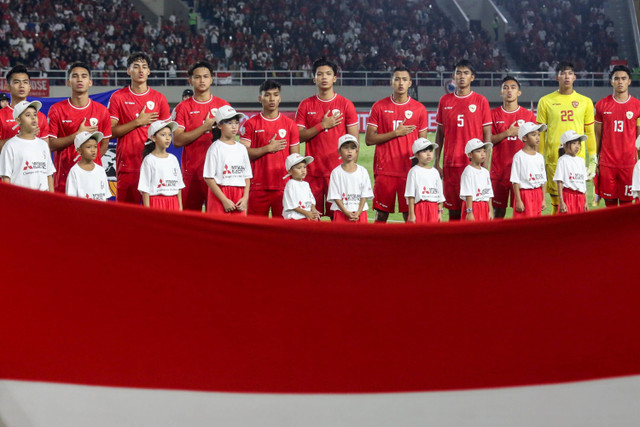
(466, 184)
(145, 175)
(71, 188)
(410, 188)
(351, 118)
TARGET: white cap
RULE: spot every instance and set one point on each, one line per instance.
(529, 127)
(158, 125)
(227, 112)
(348, 138)
(23, 105)
(474, 144)
(294, 159)
(83, 137)
(571, 135)
(638, 143)
(420, 144)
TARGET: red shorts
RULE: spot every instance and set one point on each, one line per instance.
(574, 200)
(261, 201)
(426, 212)
(615, 183)
(338, 216)
(127, 187)
(169, 203)
(386, 189)
(194, 194)
(502, 192)
(480, 211)
(214, 205)
(532, 200)
(320, 188)
(451, 184)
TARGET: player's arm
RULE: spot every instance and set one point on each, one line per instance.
(57, 144)
(354, 130)
(597, 130)
(374, 138)
(440, 142)
(182, 137)
(143, 119)
(273, 146)
(499, 137)
(486, 133)
(541, 118)
(326, 123)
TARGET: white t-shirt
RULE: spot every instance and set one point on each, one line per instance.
(160, 176)
(297, 194)
(27, 163)
(476, 183)
(572, 172)
(91, 184)
(528, 170)
(228, 164)
(350, 188)
(424, 185)
(635, 184)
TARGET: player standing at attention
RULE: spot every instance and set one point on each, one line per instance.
(462, 116)
(322, 119)
(69, 118)
(19, 87)
(394, 123)
(271, 137)
(616, 129)
(196, 117)
(504, 135)
(563, 110)
(132, 110)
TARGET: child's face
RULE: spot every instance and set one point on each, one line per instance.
(162, 138)
(478, 156)
(229, 128)
(89, 150)
(572, 147)
(424, 156)
(299, 171)
(532, 139)
(349, 152)
(28, 120)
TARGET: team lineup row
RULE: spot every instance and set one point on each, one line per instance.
(396, 122)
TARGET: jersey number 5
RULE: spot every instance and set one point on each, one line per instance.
(460, 120)
(566, 115)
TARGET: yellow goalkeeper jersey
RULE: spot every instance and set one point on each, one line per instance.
(561, 113)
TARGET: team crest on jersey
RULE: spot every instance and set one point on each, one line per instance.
(282, 133)
(93, 121)
(575, 104)
(472, 108)
(150, 105)
(629, 115)
(520, 122)
(408, 114)
(335, 112)
(214, 111)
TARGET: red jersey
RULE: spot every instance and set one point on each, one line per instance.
(10, 127)
(124, 106)
(190, 114)
(64, 120)
(269, 169)
(503, 152)
(462, 118)
(392, 158)
(619, 121)
(324, 146)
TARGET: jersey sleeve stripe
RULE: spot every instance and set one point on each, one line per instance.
(352, 124)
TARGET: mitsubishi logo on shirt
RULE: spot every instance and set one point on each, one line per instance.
(226, 170)
(162, 184)
(424, 190)
(27, 166)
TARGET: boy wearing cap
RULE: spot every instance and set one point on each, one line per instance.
(504, 136)
(196, 120)
(19, 83)
(462, 115)
(132, 110)
(25, 159)
(86, 178)
(298, 201)
(528, 174)
(227, 170)
(424, 185)
(349, 184)
(270, 137)
(476, 192)
(73, 116)
(571, 174)
(394, 123)
(321, 120)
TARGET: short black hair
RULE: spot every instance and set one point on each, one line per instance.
(18, 69)
(510, 78)
(565, 65)
(79, 65)
(464, 63)
(187, 92)
(321, 62)
(401, 68)
(269, 85)
(200, 64)
(137, 56)
(620, 68)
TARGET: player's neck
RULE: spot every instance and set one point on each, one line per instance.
(326, 94)
(86, 164)
(463, 91)
(621, 97)
(400, 98)
(202, 96)
(139, 87)
(566, 90)
(15, 100)
(510, 105)
(270, 114)
(79, 99)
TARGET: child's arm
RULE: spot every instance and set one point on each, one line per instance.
(562, 207)
(342, 208)
(516, 192)
(6, 179)
(469, 202)
(242, 203)
(145, 199)
(412, 209)
(308, 214)
(50, 183)
(316, 214)
(491, 208)
(440, 212)
(544, 196)
(215, 189)
(180, 199)
(356, 216)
